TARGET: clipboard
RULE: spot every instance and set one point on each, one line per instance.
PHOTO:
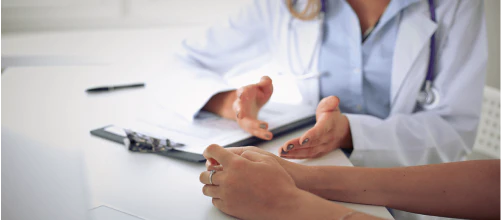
(206, 129)
(102, 133)
(194, 157)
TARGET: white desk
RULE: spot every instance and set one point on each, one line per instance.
(49, 104)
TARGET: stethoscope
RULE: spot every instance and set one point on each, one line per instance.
(427, 98)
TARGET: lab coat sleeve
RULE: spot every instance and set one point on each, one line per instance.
(202, 61)
(447, 132)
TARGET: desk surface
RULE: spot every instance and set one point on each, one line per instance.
(49, 104)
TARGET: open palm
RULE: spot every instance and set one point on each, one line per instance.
(250, 99)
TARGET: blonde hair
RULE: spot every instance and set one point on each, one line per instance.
(310, 11)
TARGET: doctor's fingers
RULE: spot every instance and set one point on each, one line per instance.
(328, 104)
(240, 91)
(310, 138)
(293, 145)
(237, 108)
(242, 109)
(248, 92)
(316, 135)
(289, 145)
(311, 152)
(265, 85)
(256, 127)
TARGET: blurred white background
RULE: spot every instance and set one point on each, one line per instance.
(36, 15)
(49, 15)
(492, 22)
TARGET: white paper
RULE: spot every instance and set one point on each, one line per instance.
(207, 128)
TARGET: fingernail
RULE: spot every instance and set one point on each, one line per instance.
(305, 141)
(238, 113)
(263, 126)
(267, 136)
(284, 152)
(290, 146)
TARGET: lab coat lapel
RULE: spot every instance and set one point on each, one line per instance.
(411, 50)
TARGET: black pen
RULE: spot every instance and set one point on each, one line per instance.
(111, 88)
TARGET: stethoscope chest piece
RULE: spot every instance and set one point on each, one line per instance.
(428, 98)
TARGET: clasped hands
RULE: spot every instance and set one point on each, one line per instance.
(250, 183)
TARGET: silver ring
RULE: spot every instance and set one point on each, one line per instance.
(210, 176)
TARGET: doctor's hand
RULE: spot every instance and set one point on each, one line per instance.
(252, 185)
(250, 99)
(331, 131)
(243, 105)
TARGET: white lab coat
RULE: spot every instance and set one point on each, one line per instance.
(408, 136)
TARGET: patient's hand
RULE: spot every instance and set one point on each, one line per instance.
(212, 164)
(251, 185)
(298, 172)
(331, 131)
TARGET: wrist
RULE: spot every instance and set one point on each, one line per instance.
(325, 181)
(292, 200)
(222, 104)
(305, 205)
(346, 141)
(227, 106)
(299, 173)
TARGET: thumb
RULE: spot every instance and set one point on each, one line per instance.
(328, 104)
(253, 156)
(266, 85)
(219, 154)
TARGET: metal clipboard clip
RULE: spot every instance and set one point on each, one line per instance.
(146, 144)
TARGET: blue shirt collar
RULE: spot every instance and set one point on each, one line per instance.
(394, 8)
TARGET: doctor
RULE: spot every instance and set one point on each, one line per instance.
(381, 59)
